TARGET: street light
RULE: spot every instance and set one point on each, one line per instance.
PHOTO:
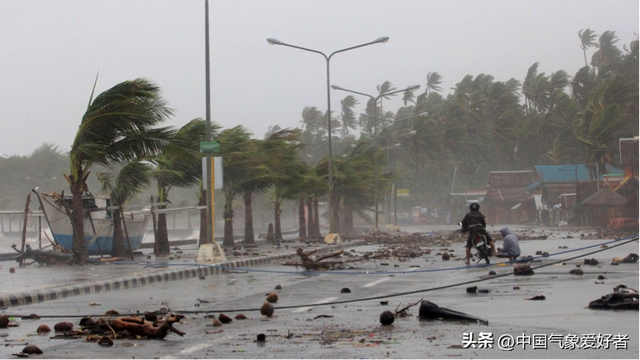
(375, 136)
(273, 41)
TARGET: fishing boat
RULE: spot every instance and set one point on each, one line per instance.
(98, 222)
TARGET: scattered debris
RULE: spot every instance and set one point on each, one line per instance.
(224, 318)
(576, 271)
(261, 338)
(63, 326)
(320, 262)
(43, 257)
(629, 259)
(592, 262)
(403, 312)
(522, 270)
(272, 297)
(137, 327)
(537, 297)
(4, 322)
(622, 298)
(431, 311)
(323, 316)
(345, 291)
(43, 329)
(267, 309)
(31, 349)
(105, 341)
(387, 318)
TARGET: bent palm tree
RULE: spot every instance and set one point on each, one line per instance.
(587, 40)
(180, 166)
(122, 187)
(118, 126)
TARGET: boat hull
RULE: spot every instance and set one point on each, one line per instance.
(98, 228)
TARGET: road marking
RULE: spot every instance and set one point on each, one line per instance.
(198, 347)
(303, 309)
(376, 282)
(381, 280)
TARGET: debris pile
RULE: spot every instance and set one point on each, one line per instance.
(622, 298)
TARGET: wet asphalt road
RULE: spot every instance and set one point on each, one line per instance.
(346, 327)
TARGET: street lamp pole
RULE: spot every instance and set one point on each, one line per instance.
(273, 41)
(210, 190)
(375, 136)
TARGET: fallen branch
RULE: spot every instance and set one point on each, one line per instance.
(43, 257)
(134, 326)
(319, 263)
(403, 311)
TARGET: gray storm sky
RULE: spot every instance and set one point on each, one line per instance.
(51, 52)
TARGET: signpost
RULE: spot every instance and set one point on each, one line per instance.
(211, 252)
(402, 192)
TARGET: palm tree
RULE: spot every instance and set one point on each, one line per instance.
(179, 165)
(234, 145)
(119, 125)
(122, 187)
(587, 40)
(347, 116)
(433, 82)
(354, 182)
(286, 171)
(256, 179)
(607, 59)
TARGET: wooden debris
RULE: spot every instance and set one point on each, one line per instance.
(320, 263)
(43, 257)
(403, 312)
(135, 326)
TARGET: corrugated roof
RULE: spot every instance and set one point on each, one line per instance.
(562, 173)
(567, 173)
(512, 179)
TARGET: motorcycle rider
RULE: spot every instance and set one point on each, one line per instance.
(474, 223)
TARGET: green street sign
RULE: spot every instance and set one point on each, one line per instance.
(209, 146)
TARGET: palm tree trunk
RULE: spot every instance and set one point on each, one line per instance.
(118, 248)
(228, 226)
(163, 234)
(79, 246)
(348, 219)
(310, 217)
(316, 217)
(302, 223)
(249, 237)
(278, 228)
(336, 212)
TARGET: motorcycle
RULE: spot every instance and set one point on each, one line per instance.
(483, 249)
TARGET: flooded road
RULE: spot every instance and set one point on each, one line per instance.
(315, 317)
